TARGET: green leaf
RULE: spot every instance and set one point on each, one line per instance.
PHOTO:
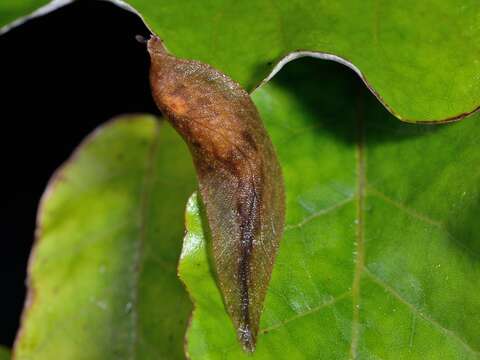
(4, 353)
(380, 258)
(14, 10)
(420, 57)
(102, 277)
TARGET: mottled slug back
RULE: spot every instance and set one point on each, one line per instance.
(240, 178)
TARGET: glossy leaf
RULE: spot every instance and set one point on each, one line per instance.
(15, 11)
(380, 258)
(421, 57)
(102, 279)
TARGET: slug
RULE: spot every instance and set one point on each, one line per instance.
(240, 179)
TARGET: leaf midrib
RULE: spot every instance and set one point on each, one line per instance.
(359, 260)
(360, 228)
(380, 283)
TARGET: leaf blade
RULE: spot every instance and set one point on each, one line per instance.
(428, 50)
(4, 353)
(103, 274)
(401, 44)
(414, 276)
(14, 13)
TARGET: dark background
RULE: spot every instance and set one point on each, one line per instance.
(60, 76)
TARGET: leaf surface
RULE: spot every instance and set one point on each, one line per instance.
(12, 11)
(380, 257)
(4, 353)
(420, 57)
(102, 276)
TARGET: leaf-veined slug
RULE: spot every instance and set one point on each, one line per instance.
(240, 179)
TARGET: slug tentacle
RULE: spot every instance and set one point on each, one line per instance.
(239, 176)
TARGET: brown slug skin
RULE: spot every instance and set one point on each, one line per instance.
(239, 176)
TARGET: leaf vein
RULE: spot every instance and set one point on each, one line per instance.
(360, 246)
(404, 207)
(450, 333)
(305, 313)
(419, 216)
(320, 213)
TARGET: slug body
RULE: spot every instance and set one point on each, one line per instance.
(239, 176)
